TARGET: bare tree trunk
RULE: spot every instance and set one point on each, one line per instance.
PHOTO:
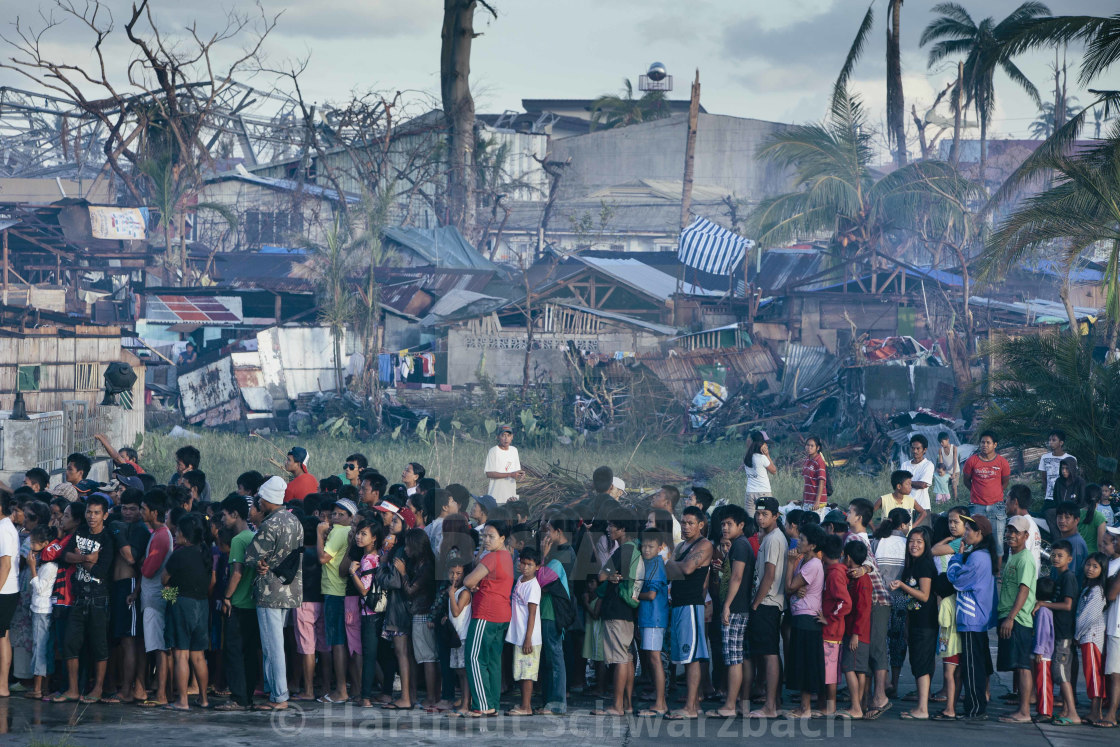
(1063, 292)
(921, 125)
(690, 150)
(955, 152)
(983, 152)
(528, 326)
(896, 106)
(458, 109)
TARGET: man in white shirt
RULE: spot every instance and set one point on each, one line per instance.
(921, 470)
(503, 467)
(1051, 463)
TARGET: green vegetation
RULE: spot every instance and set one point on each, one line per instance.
(225, 456)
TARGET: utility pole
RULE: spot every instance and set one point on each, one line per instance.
(690, 150)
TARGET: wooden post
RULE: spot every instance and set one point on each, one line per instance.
(6, 267)
(690, 150)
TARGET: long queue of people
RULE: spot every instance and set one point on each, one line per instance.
(417, 595)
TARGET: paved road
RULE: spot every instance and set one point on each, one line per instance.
(22, 721)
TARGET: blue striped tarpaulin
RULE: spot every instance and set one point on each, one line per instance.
(711, 248)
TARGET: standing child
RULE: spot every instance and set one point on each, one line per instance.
(1110, 546)
(653, 617)
(1061, 599)
(593, 646)
(836, 603)
(370, 539)
(1090, 631)
(188, 571)
(805, 654)
(525, 629)
(941, 484)
(948, 648)
(42, 586)
(1043, 654)
(855, 653)
(459, 607)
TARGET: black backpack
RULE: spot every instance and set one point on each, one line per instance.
(563, 610)
(289, 566)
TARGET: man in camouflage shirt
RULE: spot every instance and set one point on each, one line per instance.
(278, 535)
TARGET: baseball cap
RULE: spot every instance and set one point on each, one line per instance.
(387, 507)
(408, 517)
(299, 454)
(85, 487)
(272, 491)
(617, 482)
(505, 429)
(1113, 530)
(348, 505)
(125, 469)
(835, 516)
(1019, 523)
(487, 502)
(979, 522)
(768, 503)
(130, 482)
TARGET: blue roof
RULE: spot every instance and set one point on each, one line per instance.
(1055, 269)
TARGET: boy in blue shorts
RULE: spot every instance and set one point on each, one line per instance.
(653, 617)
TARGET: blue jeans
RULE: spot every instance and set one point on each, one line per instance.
(271, 623)
(556, 684)
(997, 515)
(42, 664)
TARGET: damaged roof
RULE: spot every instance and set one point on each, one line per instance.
(440, 247)
(644, 279)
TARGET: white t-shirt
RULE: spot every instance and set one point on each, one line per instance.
(524, 594)
(1052, 466)
(758, 479)
(922, 472)
(1112, 621)
(9, 545)
(503, 460)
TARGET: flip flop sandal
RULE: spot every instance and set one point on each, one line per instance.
(230, 707)
(63, 699)
(150, 704)
(680, 717)
(650, 713)
(942, 716)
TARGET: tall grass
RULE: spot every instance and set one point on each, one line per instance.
(454, 459)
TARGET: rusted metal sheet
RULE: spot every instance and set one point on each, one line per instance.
(297, 360)
(807, 369)
(679, 371)
(210, 394)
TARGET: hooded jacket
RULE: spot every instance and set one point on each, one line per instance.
(976, 590)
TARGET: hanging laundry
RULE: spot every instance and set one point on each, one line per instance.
(428, 364)
(385, 368)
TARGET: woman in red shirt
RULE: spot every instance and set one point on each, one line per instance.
(814, 473)
(491, 583)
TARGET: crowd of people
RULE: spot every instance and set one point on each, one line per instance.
(421, 595)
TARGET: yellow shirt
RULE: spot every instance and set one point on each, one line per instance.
(889, 503)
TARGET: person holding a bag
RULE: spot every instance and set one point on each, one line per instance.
(619, 585)
(369, 538)
(276, 551)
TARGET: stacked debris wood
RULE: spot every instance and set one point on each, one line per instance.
(555, 485)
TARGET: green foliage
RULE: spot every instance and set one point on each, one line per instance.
(1052, 381)
(610, 111)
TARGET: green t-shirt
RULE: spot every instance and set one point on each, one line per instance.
(335, 546)
(1088, 531)
(243, 595)
(1020, 570)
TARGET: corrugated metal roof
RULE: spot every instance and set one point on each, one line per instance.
(1035, 309)
(283, 185)
(643, 278)
(441, 247)
(678, 370)
(780, 267)
(807, 369)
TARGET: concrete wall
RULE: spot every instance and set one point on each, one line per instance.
(725, 156)
(890, 389)
(504, 353)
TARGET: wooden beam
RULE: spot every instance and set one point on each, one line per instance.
(40, 244)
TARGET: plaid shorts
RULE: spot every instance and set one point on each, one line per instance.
(734, 634)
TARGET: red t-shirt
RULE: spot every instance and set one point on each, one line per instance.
(813, 473)
(835, 602)
(987, 479)
(859, 619)
(491, 601)
(301, 487)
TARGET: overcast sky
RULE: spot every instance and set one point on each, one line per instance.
(770, 59)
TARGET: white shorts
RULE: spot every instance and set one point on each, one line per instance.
(153, 626)
(651, 639)
(1112, 654)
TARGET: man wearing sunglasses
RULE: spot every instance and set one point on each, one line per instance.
(352, 469)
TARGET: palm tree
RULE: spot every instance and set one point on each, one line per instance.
(896, 104)
(837, 194)
(1054, 379)
(610, 111)
(1101, 37)
(1043, 127)
(1080, 209)
(986, 47)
